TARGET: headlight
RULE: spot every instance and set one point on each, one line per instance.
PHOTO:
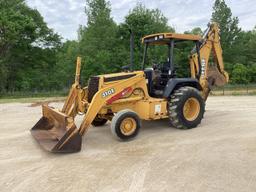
(156, 38)
(161, 36)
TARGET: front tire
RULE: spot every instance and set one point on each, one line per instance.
(125, 125)
(186, 108)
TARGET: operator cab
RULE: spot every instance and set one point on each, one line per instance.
(159, 60)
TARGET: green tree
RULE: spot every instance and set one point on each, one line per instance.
(228, 27)
(99, 44)
(65, 64)
(252, 73)
(239, 74)
(142, 21)
(27, 47)
(245, 46)
(250, 53)
(244, 51)
(195, 31)
(182, 51)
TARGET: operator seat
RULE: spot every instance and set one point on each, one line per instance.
(162, 79)
(149, 73)
(157, 78)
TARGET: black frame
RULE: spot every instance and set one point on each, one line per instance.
(170, 43)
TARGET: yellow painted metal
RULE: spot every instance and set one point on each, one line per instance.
(171, 36)
(128, 126)
(210, 76)
(191, 109)
(70, 104)
(152, 108)
(99, 101)
(78, 70)
(147, 109)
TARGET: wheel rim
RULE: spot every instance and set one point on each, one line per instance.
(191, 109)
(128, 126)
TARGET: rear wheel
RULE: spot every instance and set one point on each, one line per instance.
(186, 108)
(125, 125)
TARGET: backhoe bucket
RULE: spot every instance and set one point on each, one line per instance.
(57, 132)
(215, 77)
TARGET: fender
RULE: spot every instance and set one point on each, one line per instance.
(175, 83)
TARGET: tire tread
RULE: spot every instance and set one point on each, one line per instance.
(173, 106)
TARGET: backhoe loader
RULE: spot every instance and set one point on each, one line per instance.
(130, 96)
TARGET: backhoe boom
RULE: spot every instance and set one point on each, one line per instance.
(200, 68)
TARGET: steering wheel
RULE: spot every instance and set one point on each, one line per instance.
(156, 66)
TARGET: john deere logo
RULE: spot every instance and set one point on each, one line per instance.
(108, 92)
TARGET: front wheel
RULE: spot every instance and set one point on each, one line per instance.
(125, 125)
(186, 108)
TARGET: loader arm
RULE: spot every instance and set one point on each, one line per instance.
(56, 130)
(102, 98)
(70, 102)
(207, 75)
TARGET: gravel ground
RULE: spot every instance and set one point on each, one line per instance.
(219, 155)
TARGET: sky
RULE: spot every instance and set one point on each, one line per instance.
(65, 16)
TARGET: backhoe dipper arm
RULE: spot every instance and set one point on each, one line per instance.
(209, 75)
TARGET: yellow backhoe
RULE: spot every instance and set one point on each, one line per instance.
(128, 97)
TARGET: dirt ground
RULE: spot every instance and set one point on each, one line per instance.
(219, 155)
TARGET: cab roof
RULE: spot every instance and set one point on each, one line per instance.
(164, 38)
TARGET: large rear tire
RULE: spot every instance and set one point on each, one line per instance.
(186, 108)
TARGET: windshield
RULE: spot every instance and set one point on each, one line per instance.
(156, 54)
(160, 55)
(181, 58)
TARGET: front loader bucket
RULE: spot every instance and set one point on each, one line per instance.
(57, 132)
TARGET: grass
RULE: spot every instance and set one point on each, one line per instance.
(31, 99)
(15, 95)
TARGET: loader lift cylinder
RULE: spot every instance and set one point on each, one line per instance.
(78, 69)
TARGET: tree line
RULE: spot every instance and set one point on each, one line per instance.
(34, 58)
